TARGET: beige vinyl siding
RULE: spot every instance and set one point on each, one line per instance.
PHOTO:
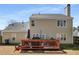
(9, 35)
(49, 26)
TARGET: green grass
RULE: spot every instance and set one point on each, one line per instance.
(69, 46)
(11, 44)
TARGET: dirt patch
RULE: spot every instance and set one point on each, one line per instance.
(7, 50)
(10, 50)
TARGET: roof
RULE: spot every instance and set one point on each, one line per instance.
(49, 16)
(17, 27)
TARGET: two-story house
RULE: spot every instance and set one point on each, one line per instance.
(15, 32)
(48, 26)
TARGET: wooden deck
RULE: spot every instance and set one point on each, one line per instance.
(42, 45)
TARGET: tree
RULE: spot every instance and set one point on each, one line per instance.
(74, 28)
(0, 39)
(78, 28)
(12, 21)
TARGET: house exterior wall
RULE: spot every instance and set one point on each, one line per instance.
(76, 33)
(49, 27)
(18, 36)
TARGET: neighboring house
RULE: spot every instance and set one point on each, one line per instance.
(76, 35)
(76, 32)
(47, 26)
(15, 32)
(0, 36)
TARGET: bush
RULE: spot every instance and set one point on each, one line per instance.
(52, 38)
(0, 39)
(69, 46)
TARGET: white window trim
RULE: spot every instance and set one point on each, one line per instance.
(61, 26)
(65, 36)
(60, 36)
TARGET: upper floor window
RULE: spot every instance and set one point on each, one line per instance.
(32, 23)
(61, 23)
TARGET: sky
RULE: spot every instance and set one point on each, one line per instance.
(22, 12)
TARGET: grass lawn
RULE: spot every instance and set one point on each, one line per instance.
(11, 44)
(70, 46)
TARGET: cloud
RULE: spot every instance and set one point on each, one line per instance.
(26, 13)
(41, 10)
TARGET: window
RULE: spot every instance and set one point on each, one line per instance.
(58, 23)
(13, 38)
(7, 41)
(61, 23)
(32, 23)
(63, 37)
(64, 23)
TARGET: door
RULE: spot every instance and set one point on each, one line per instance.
(7, 41)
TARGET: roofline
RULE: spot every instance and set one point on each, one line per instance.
(51, 14)
(14, 31)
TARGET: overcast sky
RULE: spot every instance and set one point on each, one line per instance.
(22, 12)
